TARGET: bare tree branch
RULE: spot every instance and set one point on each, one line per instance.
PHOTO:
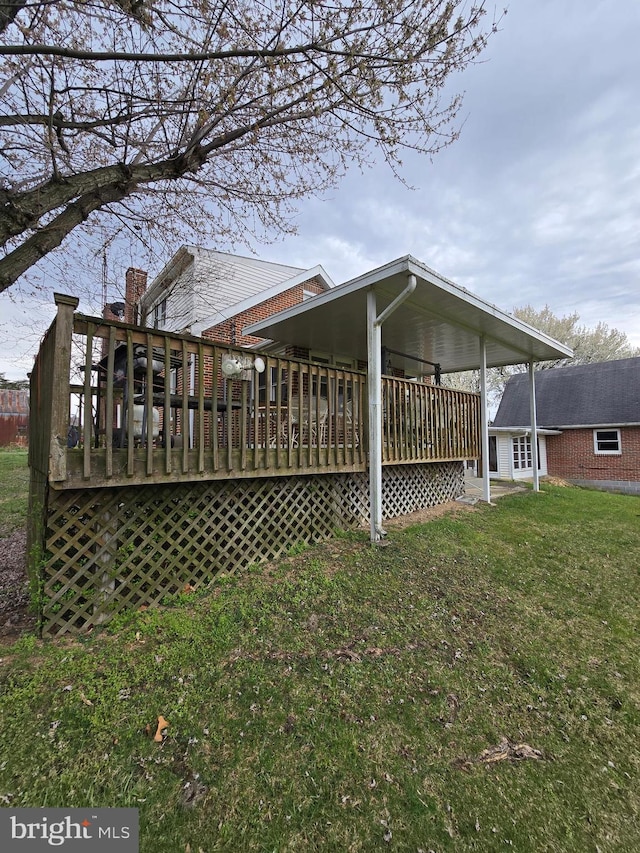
(254, 105)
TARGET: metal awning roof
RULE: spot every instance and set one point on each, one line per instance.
(440, 322)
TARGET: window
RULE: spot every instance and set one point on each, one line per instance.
(333, 360)
(521, 452)
(522, 457)
(160, 314)
(607, 441)
(270, 378)
(493, 454)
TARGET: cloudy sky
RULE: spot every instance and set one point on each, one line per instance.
(537, 203)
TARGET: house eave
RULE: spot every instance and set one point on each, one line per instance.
(523, 431)
(614, 425)
(167, 275)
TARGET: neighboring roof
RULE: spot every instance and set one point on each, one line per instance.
(603, 394)
(228, 281)
(440, 322)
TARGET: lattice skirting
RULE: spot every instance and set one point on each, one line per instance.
(107, 550)
(406, 488)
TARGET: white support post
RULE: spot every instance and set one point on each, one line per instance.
(534, 427)
(484, 422)
(374, 355)
(374, 348)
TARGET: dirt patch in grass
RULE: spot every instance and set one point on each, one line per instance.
(421, 516)
(15, 617)
(556, 481)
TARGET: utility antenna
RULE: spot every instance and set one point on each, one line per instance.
(104, 279)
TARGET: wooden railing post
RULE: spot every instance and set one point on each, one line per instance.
(60, 387)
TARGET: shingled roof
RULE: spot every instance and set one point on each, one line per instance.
(602, 394)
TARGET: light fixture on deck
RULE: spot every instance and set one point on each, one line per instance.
(240, 366)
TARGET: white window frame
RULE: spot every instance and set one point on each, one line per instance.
(598, 440)
(521, 453)
(335, 361)
(268, 379)
(160, 313)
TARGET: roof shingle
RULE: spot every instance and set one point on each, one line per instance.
(605, 393)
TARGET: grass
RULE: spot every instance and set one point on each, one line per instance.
(14, 490)
(345, 699)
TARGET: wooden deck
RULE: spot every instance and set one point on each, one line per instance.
(124, 405)
(152, 471)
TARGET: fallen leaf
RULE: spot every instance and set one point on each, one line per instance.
(348, 654)
(495, 753)
(523, 750)
(161, 730)
(374, 652)
(504, 751)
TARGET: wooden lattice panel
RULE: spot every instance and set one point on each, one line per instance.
(111, 549)
(407, 488)
(107, 550)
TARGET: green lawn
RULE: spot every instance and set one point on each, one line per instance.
(350, 698)
(14, 490)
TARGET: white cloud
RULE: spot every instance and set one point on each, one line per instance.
(537, 203)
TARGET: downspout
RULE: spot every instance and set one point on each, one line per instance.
(484, 422)
(374, 350)
(534, 427)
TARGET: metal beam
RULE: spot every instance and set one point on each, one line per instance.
(534, 426)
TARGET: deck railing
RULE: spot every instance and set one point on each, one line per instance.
(425, 423)
(153, 406)
(121, 404)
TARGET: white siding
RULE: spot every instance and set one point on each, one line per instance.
(180, 301)
(222, 280)
(506, 471)
(505, 464)
(207, 283)
(542, 444)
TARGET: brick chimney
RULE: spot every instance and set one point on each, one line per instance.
(135, 286)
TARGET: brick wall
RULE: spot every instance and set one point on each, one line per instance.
(230, 331)
(571, 455)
